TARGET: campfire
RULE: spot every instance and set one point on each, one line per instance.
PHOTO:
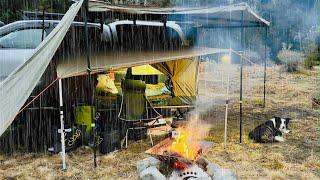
(181, 154)
(182, 145)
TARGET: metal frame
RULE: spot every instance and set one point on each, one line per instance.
(242, 26)
(88, 55)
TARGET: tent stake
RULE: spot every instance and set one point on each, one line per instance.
(62, 131)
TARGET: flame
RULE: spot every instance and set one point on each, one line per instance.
(187, 142)
(184, 146)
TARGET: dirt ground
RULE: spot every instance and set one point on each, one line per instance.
(287, 95)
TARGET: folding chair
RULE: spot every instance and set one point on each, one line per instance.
(135, 109)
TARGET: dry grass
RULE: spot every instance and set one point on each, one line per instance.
(297, 158)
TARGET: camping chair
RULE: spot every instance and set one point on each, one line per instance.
(135, 110)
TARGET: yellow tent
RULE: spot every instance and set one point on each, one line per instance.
(145, 70)
(184, 75)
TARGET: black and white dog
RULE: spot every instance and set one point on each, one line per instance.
(270, 131)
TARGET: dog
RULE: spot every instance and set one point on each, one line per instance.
(271, 131)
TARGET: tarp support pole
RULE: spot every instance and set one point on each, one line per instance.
(89, 80)
(241, 110)
(227, 105)
(62, 131)
(265, 67)
(241, 74)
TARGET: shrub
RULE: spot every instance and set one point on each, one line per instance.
(313, 56)
(291, 59)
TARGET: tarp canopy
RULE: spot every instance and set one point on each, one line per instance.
(230, 15)
(106, 61)
(17, 87)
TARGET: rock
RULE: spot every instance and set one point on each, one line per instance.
(218, 173)
(151, 173)
(212, 168)
(224, 174)
(148, 162)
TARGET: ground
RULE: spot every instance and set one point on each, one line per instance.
(287, 95)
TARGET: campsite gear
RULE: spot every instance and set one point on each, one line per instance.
(137, 133)
(84, 117)
(111, 75)
(110, 141)
(135, 110)
(106, 84)
(72, 138)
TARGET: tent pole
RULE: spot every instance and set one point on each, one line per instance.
(62, 131)
(241, 110)
(227, 104)
(89, 80)
(241, 73)
(265, 67)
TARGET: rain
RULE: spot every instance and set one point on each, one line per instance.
(159, 89)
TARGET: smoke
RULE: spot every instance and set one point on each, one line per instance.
(197, 128)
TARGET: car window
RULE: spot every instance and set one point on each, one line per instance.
(74, 43)
(22, 39)
(135, 37)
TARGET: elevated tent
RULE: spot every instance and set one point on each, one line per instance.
(17, 87)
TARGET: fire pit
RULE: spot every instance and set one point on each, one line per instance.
(183, 165)
(180, 158)
(164, 152)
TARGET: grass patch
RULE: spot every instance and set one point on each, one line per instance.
(287, 95)
(274, 164)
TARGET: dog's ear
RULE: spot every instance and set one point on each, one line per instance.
(287, 121)
(277, 121)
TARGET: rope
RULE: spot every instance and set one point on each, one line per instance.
(244, 57)
(37, 96)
